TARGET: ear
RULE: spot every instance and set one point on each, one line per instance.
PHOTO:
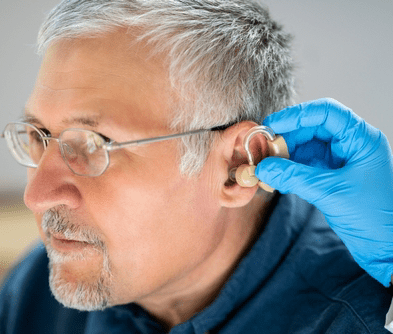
(233, 155)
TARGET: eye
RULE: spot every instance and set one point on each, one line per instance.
(46, 132)
(107, 139)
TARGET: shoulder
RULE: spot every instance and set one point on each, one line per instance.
(349, 295)
(26, 302)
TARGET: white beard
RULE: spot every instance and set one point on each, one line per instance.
(84, 296)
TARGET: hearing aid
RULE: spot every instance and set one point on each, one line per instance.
(244, 175)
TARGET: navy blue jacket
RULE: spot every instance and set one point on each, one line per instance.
(297, 278)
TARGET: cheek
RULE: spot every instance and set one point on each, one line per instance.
(156, 225)
(147, 217)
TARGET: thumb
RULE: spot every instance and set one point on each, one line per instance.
(309, 183)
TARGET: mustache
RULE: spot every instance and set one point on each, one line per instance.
(56, 221)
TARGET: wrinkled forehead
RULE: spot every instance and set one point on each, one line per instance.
(111, 75)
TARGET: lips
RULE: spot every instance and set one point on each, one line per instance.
(63, 244)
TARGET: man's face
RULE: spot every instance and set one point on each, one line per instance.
(146, 229)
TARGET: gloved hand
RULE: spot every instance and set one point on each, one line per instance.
(344, 167)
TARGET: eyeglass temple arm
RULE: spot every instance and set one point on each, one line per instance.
(116, 146)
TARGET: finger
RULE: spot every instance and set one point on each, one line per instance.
(299, 137)
(315, 141)
(316, 153)
(287, 176)
(328, 120)
(329, 113)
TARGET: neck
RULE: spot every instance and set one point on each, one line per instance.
(200, 287)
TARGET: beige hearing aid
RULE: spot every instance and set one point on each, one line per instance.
(244, 175)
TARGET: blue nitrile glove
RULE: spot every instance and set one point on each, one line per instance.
(344, 167)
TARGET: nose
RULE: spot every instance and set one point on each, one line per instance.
(52, 183)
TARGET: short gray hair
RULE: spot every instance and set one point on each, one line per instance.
(229, 55)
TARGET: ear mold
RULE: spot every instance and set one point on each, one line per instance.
(244, 175)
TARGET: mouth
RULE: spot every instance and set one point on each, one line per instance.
(62, 244)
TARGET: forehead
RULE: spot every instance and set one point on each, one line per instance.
(113, 78)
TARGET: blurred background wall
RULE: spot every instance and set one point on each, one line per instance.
(343, 50)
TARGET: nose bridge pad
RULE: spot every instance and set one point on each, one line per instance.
(66, 148)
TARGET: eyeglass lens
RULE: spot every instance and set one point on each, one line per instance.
(81, 149)
(25, 144)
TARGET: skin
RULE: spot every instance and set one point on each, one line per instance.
(172, 241)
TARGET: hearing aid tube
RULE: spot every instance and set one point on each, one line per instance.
(244, 175)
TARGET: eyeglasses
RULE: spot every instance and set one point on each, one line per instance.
(85, 152)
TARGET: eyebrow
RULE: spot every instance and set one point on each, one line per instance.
(30, 118)
(92, 121)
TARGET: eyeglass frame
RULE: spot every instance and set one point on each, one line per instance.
(113, 145)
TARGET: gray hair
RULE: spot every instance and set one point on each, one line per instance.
(228, 60)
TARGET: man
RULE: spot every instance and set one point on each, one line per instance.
(158, 237)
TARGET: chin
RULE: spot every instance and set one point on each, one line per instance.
(80, 283)
(81, 295)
